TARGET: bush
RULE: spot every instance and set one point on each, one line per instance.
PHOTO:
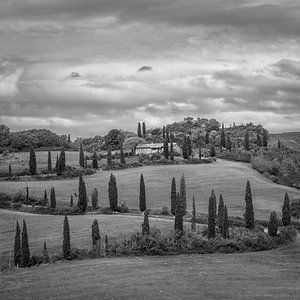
(5, 200)
(165, 211)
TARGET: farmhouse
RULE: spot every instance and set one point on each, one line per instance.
(155, 148)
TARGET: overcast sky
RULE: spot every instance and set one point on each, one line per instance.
(77, 66)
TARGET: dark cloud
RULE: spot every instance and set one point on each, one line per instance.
(144, 69)
(287, 67)
(73, 75)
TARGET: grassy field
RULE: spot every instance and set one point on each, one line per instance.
(49, 228)
(258, 275)
(228, 178)
(289, 139)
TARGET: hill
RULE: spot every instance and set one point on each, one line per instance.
(289, 139)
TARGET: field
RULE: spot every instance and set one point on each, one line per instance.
(228, 178)
(289, 139)
(271, 274)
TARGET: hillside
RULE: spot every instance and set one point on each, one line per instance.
(289, 139)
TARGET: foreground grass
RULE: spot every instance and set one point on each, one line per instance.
(224, 177)
(272, 274)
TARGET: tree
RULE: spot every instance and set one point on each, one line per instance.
(211, 219)
(214, 200)
(228, 143)
(246, 141)
(81, 156)
(265, 138)
(95, 199)
(206, 138)
(66, 247)
(32, 162)
(112, 192)
(166, 148)
(183, 194)
(172, 151)
(27, 195)
(179, 212)
(61, 167)
(71, 201)
(249, 213)
(52, 198)
(164, 132)
(95, 161)
(193, 220)
(139, 131)
(25, 253)
(145, 225)
(278, 144)
(223, 139)
(286, 211)
(45, 254)
(96, 238)
(122, 155)
(185, 152)
(56, 163)
(212, 151)
(144, 129)
(273, 224)
(108, 157)
(220, 212)
(189, 146)
(9, 170)
(106, 244)
(173, 196)
(69, 138)
(17, 246)
(258, 141)
(45, 198)
(142, 194)
(82, 196)
(225, 224)
(200, 154)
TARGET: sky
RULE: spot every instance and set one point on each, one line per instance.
(85, 67)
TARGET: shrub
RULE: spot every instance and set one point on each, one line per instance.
(4, 200)
(165, 211)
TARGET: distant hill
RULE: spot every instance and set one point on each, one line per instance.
(289, 139)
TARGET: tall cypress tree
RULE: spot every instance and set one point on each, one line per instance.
(9, 170)
(17, 246)
(185, 153)
(95, 199)
(57, 163)
(273, 224)
(166, 148)
(193, 220)
(96, 238)
(81, 156)
(139, 130)
(112, 192)
(145, 225)
(212, 151)
(183, 193)
(71, 201)
(179, 212)
(144, 129)
(122, 155)
(265, 138)
(220, 212)
(223, 140)
(52, 198)
(32, 162)
(225, 224)
(66, 247)
(249, 213)
(214, 201)
(211, 219)
(164, 132)
(189, 146)
(173, 196)
(228, 143)
(207, 137)
(200, 154)
(45, 198)
(25, 253)
(142, 194)
(286, 211)
(108, 156)
(246, 141)
(106, 244)
(172, 151)
(95, 161)
(278, 144)
(27, 195)
(82, 196)
(61, 166)
(45, 254)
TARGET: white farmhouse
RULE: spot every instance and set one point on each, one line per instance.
(155, 148)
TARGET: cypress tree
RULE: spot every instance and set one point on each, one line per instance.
(106, 244)
(85, 161)
(286, 211)
(139, 131)
(108, 156)
(57, 163)
(71, 201)
(225, 224)
(185, 148)
(207, 137)
(246, 141)
(278, 144)
(200, 154)
(52, 198)
(81, 156)
(183, 194)
(61, 165)
(9, 170)
(82, 196)
(142, 194)
(223, 140)
(27, 195)
(172, 151)
(45, 198)
(95, 199)
(25, 253)
(112, 192)
(164, 132)
(212, 151)
(273, 224)
(214, 200)
(193, 220)
(145, 225)
(144, 129)
(189, 146)
(69, 138)
(220, 212)
(96, 238)
(167, 134)
(66, 247)
(95, 161)
(32, 162)
(166, 148)
(122, 155)
(265, 138)
(17, 246)
(45, 254)
(249, 213)
(211, 219)
(258, 140)
(178, 226)
(173, 196)
(228, 143)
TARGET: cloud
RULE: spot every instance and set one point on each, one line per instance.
(144, 69)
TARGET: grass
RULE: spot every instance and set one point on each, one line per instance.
(228, 178)
(289, 139)
(271, 274)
